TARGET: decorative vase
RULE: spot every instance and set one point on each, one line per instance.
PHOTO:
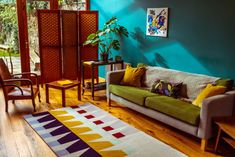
(104, 57)
(118, 58)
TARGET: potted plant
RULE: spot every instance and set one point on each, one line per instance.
(107, 38)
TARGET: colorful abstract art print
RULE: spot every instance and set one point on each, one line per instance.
(157, 22)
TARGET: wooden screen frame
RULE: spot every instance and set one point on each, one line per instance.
(23, 35)
(88, 5)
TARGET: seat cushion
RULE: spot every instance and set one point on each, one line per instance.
(133, 94)
(16, 93)
(175, 108)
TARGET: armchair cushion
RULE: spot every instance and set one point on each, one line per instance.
(26, 92)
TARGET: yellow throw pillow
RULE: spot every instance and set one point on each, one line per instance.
(209, 91)
(132, 76)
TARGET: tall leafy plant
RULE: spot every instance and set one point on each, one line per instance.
(108, 37)
(8, 19)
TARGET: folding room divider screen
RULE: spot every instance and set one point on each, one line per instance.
(50, 45)
(88, 23)
(70, 44)
(61, 37)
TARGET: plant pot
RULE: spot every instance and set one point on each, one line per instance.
(104, 57)
(118, 58)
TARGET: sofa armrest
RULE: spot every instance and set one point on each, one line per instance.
(232, 92)
(215, 106)
(113, 77)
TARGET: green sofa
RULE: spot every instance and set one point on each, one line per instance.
(175, 112)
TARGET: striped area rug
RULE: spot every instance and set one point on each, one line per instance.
(88, 131)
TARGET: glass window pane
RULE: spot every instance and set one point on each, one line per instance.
(72, 4)
(9, 40)
(32, 7)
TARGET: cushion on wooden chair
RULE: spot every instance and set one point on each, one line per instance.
(26, 92)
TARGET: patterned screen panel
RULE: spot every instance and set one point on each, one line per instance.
(51, 64)
(49, 45)
(70, 61)
(70, 44)
(88, 23)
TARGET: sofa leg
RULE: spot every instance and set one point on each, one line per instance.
(109, 102)
(203, 144)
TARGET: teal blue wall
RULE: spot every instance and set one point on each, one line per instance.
(201, 34)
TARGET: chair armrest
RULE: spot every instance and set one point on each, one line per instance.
(113, 77)
(29, 73)
(215, 106)
(25, 73)
(22, 93)
(21, 80)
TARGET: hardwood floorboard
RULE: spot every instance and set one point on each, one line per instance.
(18, 139)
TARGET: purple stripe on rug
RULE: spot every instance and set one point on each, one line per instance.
(45, 119)
(89, 153)
(68, 138)
(53, 124)
(60, 130)
(80, 145)
(40, 114)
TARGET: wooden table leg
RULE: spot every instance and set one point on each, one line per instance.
(79, 91)
(122, 65)
(92, 82)
(63, 97)
(83, 79)
(47, 94)
(217, 140)
(111, 68)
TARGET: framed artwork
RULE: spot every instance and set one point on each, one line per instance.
(157, 22)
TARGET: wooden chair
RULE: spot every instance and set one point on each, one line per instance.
(12, 90)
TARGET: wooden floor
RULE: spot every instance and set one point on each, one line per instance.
(18, 139)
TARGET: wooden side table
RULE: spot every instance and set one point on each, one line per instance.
(93, 64)
(226, 125)
(56, 85)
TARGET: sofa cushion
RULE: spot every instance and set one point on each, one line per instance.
(209, 91)
(195, 83)
(228, 83)
(133, 94)
(175, 108)
(163, 87)
(132, 76)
